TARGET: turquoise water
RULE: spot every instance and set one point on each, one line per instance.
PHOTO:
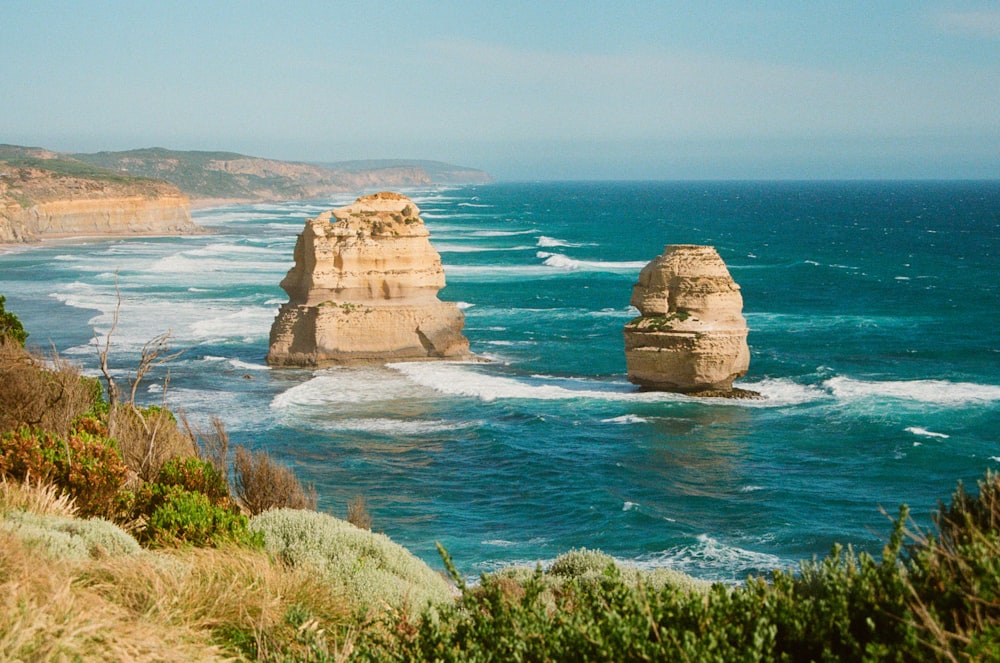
(874, 311)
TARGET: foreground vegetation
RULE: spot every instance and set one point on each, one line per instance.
(160, 543)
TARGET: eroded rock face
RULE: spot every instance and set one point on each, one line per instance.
(364, 290)
(691, 336)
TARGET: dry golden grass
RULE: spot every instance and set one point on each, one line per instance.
(36, 497)
(46, 615)
(238, 596)
(190, 605)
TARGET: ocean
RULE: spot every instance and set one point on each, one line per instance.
(874, 315)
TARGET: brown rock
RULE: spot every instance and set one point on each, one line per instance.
(364, 290)
(691, 336)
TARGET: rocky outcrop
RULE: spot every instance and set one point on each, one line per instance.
(691, 336)
(364, 290)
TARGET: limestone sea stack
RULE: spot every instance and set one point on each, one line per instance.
(364, 290)
(691, 336)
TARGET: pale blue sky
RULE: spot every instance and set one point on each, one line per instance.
(528, 90)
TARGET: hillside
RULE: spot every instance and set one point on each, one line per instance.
(227, 175)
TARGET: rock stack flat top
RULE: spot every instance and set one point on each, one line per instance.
(364, 290)
(691, 334)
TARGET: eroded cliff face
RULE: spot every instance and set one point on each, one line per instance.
(35, 204)
(691, 336)
(364, 290)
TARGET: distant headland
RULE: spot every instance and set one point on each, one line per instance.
(150, 191)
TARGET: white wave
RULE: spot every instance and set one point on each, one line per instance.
(626, 419)
(183, 264)
(495, 271)
(337, 386)
(711, 559)
(779, 392)
(463, 379)
(464, 305)
(473, 205)
(386, 426)
(630, 506)
(552, 242)
(249, 323)
(560, 261)
(916, 430)
(751, 489)
(247, 366)
(941, 392)
(443, 247)
(501, 233)
(995, 458)
(227, 249)
(502, 543)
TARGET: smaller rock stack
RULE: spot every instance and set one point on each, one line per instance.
(691, 336)
(364, 290)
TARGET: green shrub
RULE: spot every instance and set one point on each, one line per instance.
(66, 537)
(11, 328)
(195, 475)
(84, 465)
(178, 516)
(372, 568)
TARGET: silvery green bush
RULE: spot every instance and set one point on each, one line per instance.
(69, 538)
(372, 568)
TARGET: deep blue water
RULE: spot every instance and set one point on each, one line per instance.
(874, 310)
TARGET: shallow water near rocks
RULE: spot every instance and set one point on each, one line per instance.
(874, 312)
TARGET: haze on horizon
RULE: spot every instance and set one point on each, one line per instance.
(526, 90)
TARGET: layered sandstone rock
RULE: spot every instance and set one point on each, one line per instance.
(364, 290)
(112, 215)
(62, 197)
(691, 336)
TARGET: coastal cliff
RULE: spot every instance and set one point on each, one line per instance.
(364, 290)
(691, 336)
(43, 194)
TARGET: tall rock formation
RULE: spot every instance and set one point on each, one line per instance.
(691, 336)
(364, 290)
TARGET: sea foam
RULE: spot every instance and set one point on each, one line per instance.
(940, 392)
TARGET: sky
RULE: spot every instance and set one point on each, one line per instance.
(528, 90)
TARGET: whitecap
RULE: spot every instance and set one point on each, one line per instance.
(248, 366)
(916, 430)
(346, 385)
(710, 559)
(779, 392)
(630, 506)
(464, 305)
(941, 392)
(626, 419)
(463, 379)
(551, 242)
(563, 262)
(387, 426)
(501, 233)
